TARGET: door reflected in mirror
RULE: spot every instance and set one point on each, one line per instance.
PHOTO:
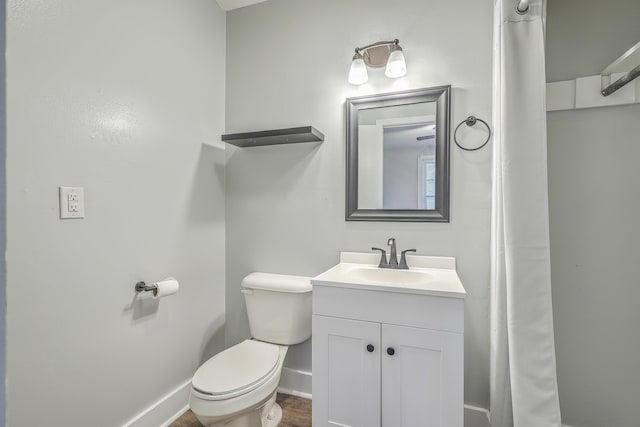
(398, 156)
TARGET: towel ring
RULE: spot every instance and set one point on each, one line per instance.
(471, 121)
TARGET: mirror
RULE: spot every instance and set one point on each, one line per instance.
(398, 156)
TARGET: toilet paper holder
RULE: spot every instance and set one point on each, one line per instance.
(143, 287)
(159, 289)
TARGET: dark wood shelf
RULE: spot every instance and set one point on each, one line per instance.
(273, 137)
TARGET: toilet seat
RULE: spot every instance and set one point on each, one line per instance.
(236, 370)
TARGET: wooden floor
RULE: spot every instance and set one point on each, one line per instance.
(296, 412)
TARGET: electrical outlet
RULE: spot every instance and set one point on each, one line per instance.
(71, 202)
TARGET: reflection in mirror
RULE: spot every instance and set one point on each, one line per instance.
(397, 149)
(396, 157)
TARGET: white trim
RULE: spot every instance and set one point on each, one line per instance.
(421, 177)
(294, 393)
(298, 383)
(175, 416)
(295, 382)
(164, 411)
(584, 92)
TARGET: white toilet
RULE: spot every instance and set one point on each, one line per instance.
(237, 387)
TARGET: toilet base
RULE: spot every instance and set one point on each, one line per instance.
(268, 414)
(273, 417)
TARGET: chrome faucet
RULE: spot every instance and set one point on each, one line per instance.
(393, 257)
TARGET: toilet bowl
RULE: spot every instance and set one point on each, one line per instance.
(237, 387)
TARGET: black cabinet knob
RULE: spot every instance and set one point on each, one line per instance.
(370, 348)
(390, 351)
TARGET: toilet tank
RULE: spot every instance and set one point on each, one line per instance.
(279, 307)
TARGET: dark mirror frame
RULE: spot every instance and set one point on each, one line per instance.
(441, 95)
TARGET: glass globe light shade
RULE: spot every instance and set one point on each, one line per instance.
(358, 72)
(396, 66)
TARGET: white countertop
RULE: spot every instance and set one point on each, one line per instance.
(426, 275)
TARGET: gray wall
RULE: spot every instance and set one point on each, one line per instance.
(287, 65)
(594, 203)
(117, 97)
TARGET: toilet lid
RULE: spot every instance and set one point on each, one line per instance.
(237, 370)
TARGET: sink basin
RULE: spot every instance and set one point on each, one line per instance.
(427, 275)
(388, 276)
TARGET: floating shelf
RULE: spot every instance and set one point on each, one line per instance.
(273, 137)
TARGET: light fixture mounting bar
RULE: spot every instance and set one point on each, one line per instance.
(376, 54)
(383, 43)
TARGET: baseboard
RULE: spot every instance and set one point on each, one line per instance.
(175, 403)
(479, 417)
(292, 381)
(295, 382)
(298, 383)
(166, 410)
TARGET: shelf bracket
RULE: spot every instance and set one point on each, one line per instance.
(628, 63)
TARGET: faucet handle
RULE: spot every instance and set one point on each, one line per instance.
(403, 259)
(383, 256)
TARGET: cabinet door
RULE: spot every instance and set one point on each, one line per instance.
(346, 374)
(422, 382)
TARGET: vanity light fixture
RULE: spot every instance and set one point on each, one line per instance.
(377, 55)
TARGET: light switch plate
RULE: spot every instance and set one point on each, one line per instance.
(71, 202)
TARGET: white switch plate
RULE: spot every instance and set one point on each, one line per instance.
(71, 202)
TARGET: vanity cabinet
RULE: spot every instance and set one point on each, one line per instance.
(346, 376)
(386, 358)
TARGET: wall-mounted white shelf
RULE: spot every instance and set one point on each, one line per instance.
(273, 137)
(618, 80)
(584, 92)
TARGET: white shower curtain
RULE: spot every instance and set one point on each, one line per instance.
(524, 390)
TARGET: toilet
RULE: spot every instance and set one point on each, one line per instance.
(237, 387)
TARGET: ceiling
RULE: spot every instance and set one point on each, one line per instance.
(235, 4)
